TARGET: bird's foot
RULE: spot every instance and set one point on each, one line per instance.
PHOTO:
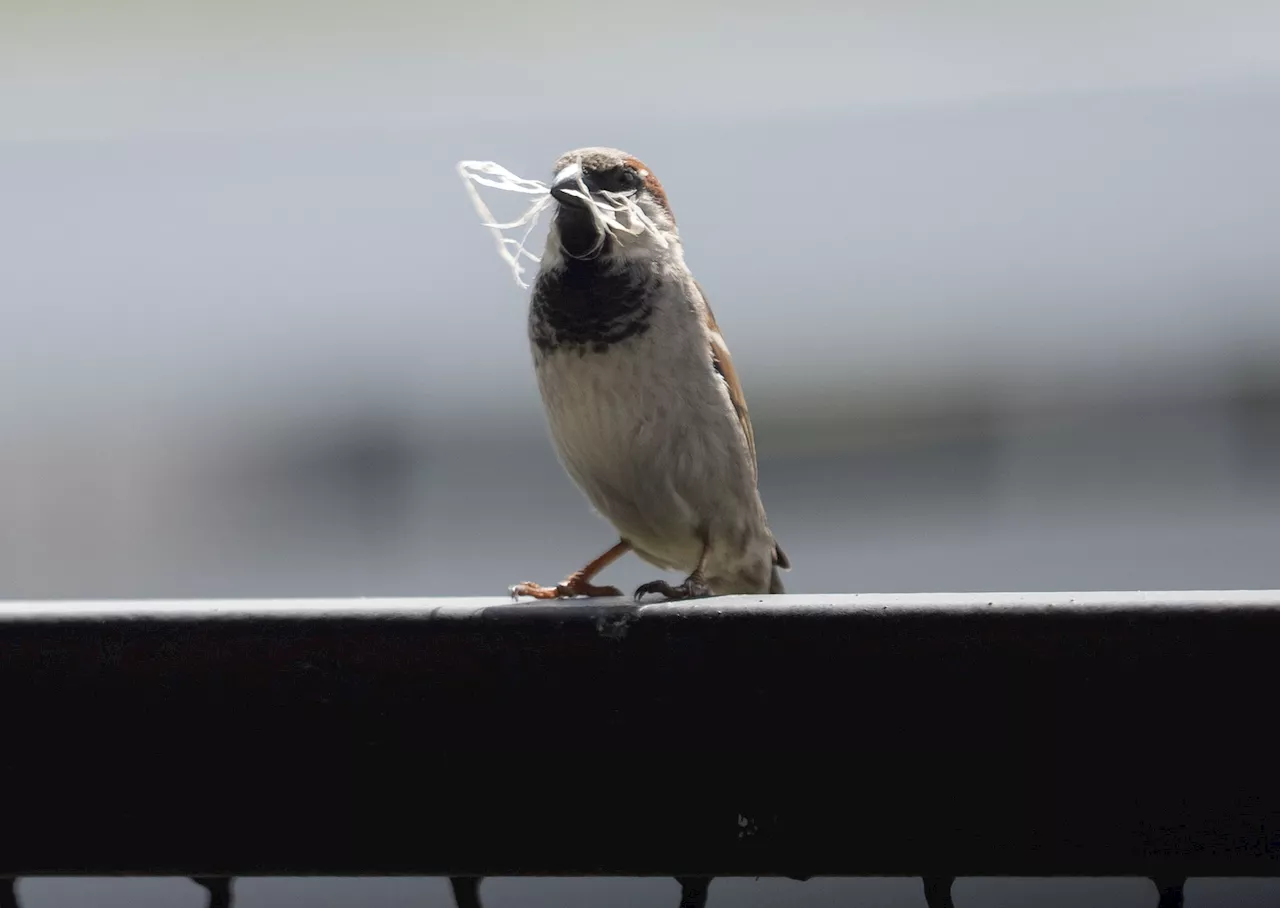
(573, 585)
(694, 587)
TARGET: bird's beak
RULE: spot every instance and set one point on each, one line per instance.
(570, 178)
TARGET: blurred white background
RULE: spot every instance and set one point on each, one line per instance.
(1001, 280)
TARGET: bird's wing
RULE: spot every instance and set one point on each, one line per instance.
(722, 362)
(723, 365)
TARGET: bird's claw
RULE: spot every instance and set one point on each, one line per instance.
(694, 587)
(568, 589)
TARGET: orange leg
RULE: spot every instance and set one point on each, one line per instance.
(579, 582)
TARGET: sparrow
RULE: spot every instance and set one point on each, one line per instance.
(644, 405)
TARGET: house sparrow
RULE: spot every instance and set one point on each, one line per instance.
(643, 401)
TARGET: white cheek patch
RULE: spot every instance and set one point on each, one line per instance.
(607, 209)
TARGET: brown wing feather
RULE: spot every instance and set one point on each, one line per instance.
(723, 364)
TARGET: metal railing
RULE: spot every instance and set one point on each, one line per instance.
(938, 736)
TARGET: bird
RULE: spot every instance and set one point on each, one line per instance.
(645, 408)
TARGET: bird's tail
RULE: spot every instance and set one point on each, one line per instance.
(775, 582)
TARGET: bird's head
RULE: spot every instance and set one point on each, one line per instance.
(618, 181)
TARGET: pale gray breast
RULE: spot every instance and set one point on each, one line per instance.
(645, 429)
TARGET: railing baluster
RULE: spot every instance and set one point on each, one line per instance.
(466, 891)
(1170, 889)
(937, 891)
(219, 888)
(693, 891)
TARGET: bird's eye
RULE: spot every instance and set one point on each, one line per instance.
(618, 179)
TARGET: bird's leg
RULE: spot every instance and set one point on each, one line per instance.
(579, 582)
(694, 586)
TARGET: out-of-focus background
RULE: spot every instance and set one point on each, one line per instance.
(1002, 281)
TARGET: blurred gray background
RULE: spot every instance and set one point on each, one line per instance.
(1001, 281)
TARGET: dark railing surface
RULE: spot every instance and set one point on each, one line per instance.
(1087, 734)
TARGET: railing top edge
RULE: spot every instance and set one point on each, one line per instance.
(496, 607)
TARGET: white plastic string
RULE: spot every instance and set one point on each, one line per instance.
(605, 208)
(511, 250)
